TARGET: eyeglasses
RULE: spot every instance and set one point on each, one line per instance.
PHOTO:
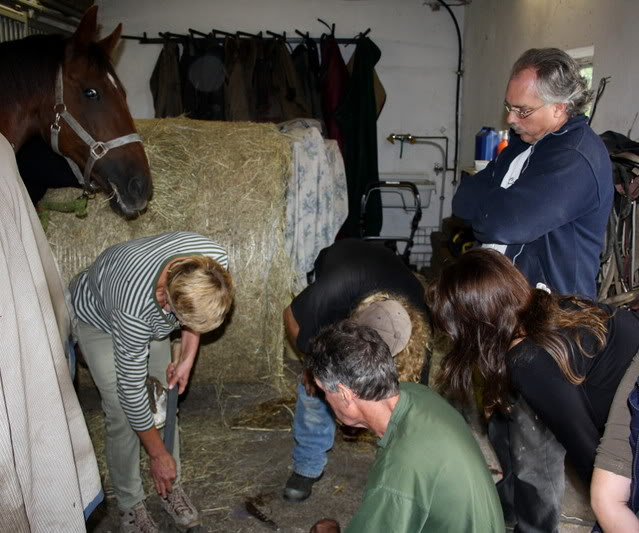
(521, 113)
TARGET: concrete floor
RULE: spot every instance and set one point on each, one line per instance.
(225, 463)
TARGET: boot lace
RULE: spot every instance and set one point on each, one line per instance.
(143, 521)
(178, 502)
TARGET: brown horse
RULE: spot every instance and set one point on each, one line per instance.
(66, 91)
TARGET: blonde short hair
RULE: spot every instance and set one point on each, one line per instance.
(410, 360)
(200, 292)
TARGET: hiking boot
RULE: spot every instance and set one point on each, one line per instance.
(137, 520)
(299, 487)
(179, 507)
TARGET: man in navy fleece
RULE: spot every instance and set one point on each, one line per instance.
(544, 203)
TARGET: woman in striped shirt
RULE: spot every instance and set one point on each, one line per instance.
(127, 303)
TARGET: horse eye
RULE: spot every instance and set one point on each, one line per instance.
(91, 93)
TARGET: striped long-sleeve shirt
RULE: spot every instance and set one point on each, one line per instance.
(117, 294)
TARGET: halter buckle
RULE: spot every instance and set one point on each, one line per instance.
(59, 108)
(55, 127)
(98, 150)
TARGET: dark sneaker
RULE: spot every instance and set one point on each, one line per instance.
(137, 520)
(298, 487)
(179, 507)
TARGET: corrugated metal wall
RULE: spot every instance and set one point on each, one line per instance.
(16, 25)
(13, 25)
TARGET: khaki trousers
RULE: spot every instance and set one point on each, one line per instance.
(122, 444)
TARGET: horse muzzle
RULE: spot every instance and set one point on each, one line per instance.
(129, 196)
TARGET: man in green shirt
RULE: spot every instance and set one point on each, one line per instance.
(429, 473)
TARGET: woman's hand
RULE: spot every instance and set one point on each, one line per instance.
(163, 467)
(163, 472)
(179, 372)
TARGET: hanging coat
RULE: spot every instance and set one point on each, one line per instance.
(333, 82)
(240, 57)
(166, 87)
(306, 61)
(48, 470)
(267, 104)
(380, 92)
(357, 118)
(202, 72)
(279, 92)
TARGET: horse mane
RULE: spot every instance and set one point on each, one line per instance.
(30, 64)
(27, 65)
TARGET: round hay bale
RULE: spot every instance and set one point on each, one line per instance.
(225, 180)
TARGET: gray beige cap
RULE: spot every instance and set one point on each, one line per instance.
(390, 320)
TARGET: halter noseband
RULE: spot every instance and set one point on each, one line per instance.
(97, 149)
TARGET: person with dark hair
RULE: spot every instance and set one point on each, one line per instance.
(127, 303)
(429, 473)
(565, 356)
(545, 200)
(352, 277)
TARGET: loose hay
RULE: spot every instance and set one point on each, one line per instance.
(226, 181)
(272, 415)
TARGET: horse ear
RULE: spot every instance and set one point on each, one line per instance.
(109, 43)
(86, 30)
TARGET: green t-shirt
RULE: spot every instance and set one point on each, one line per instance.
(429, 474)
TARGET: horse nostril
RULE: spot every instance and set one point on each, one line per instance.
(136, 187)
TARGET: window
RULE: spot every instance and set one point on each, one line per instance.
(584, 57)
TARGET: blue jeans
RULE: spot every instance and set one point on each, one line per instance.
(314, 433)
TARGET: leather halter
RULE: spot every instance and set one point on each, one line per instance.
(97, 149)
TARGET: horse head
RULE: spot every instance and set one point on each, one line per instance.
(92, 126)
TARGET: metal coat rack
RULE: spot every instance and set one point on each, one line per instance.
(220, 36)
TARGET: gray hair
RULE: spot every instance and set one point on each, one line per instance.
(356, 357)
(558, 78)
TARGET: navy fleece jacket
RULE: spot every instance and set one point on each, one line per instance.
(553, 218)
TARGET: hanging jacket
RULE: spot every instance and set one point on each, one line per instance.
(202, 71)
(306, 63)
(380, 92)
(357, 118)
(240, 57)
(279, 93)
(166, 87)
(333, 82)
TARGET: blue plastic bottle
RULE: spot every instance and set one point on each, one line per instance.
(486, 142)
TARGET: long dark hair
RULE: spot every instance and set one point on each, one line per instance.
(483, 303)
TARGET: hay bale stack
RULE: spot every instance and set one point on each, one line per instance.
(226, 181)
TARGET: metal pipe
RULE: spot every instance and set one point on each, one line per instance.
(292, 40)
(429, 139)
(459, 73)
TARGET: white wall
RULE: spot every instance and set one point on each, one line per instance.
(498, 31)
(417, 67)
